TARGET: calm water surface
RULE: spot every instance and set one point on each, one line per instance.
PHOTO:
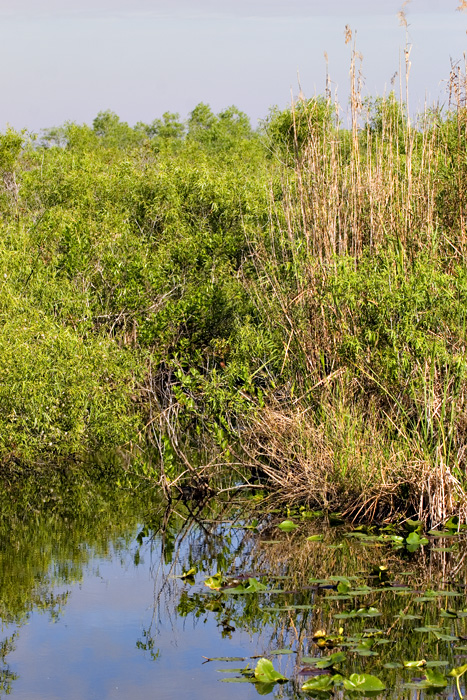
(93, 603)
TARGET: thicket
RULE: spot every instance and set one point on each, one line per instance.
(290, 299)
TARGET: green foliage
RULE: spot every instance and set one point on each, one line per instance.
(288, 132)
(266, 673)
(387, 120)
(60, 393)
(176, 264)
(11, 144)
(113, 132)
(223, 132)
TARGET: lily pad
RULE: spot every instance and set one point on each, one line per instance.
(265, 672)
(435, 678)
(320, 684)
(250, 586)
(446, 637)
(415, 664)
(363, 683)
(331, 661)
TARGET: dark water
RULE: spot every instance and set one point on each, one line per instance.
(93, 606)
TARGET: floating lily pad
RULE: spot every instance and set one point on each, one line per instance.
(436, 664)
(311, 659)
(320, 684)
(421, 663)
(446, 637)
(435, 678)
(331, 661)
(363, 683)
(427, 628)
(252, 585)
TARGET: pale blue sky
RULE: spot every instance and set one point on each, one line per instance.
(66, 60)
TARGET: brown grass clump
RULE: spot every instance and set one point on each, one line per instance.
(345, 465)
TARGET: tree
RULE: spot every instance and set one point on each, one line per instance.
(113, 132)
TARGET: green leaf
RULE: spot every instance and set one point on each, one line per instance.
(427, 629)
(435, 678)
(265, 672)
(343, 586)
(315, 538)
(413, 525)
(189, 576)
(414, 539)
(287, 526)
(452, 523)
(435, 664)
(214, 582)
(252, 586)
(321, 684)
(446, 637)
(458, 672)
(363, 682)
(415, 664)
(332, 660)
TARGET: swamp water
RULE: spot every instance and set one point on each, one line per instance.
(106, 592)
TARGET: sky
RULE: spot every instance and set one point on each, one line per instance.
(66, 60)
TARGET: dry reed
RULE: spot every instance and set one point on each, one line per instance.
(357, 440)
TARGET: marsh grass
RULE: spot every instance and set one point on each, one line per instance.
(290, 301)
(363, 272)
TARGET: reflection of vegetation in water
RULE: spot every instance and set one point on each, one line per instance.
(332, 608)
(6, 675)
(53, 523)
(329, 607)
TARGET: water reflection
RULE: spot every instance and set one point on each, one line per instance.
(103, 595)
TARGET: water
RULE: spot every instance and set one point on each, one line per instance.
(93, 603)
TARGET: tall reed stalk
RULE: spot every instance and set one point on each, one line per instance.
(362, 271)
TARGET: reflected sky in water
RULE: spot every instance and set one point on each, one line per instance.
(91, 650)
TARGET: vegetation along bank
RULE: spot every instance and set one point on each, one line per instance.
(286, 303)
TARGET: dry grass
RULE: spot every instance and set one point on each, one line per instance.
(364, 439)
(346, 466)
